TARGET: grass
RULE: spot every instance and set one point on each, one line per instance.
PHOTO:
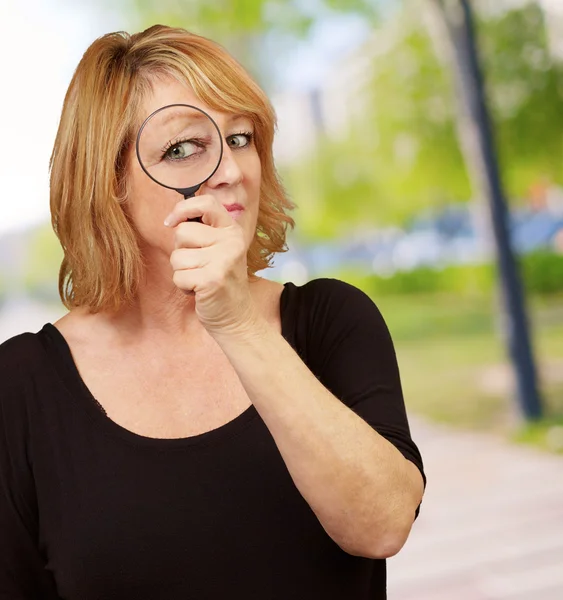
(454, 367)
(546, 434)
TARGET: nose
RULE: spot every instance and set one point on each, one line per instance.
(228, 173)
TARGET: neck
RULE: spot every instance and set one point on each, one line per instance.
(161, 310)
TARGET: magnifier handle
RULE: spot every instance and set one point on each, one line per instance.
(196, 219)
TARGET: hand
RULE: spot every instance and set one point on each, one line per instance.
(209, 261)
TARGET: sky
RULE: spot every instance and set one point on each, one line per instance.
(42, 42)
(330, 40)
(40, 46)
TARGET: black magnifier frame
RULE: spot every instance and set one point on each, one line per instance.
(188, 192)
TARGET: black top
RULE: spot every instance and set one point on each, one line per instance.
(90, 510)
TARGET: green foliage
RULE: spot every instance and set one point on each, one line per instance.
(416, 159)
(222, 18)
(218, 17)
(399, 156)
(542, 274)
(334, 189)
(546, 434)
(525, 88)
(43, 261)
(453, 365)
(465, 279)
(369, 9)
(403, 154)
(238, 25)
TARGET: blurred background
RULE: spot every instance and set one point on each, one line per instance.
(412, 180)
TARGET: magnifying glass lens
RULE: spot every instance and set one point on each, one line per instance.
(179, 147)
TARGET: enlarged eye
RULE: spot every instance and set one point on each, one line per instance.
(181, 150)
(239, 140)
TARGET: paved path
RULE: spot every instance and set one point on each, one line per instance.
(491, 525)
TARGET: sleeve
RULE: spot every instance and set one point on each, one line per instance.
(353, 356)
(22, 568)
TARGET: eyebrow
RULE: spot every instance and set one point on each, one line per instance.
(196, 116)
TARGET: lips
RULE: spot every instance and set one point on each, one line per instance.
(234, 207)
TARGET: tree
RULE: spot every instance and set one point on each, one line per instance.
(240, 25)
(524, 87)
(456, 18)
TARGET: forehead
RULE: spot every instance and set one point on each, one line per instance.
(166, 91)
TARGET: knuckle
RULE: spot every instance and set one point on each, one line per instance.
(181, 280)
(180, 258)
(174, 259)
(182, 230)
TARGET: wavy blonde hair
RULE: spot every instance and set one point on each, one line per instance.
(102, 263)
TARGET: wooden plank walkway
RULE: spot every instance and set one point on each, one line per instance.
(491, 524)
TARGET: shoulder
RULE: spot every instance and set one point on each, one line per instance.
(333, 297)
(333, 288)
(23, 343)
(21, 358)
(18, 348)
(327, 311)
(341, 333)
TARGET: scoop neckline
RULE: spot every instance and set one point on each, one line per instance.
(81, 394)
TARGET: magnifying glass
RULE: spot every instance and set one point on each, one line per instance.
(180, 147)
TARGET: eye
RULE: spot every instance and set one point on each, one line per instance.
(239, 140)
(181, 150)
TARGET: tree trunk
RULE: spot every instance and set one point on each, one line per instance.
(454, 23)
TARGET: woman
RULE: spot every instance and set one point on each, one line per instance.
(189, 429)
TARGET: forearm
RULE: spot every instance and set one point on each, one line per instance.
(363, 491)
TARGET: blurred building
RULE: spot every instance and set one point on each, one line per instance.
(330, 107)
(326, 109)
(296, 135)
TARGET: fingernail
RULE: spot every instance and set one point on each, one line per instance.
(167, 221)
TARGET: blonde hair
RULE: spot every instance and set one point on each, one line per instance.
(102, 263)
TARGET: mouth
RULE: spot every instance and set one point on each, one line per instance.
(235, 210)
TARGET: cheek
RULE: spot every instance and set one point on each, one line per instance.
(148, 205)
(253, 172)
(253, 182)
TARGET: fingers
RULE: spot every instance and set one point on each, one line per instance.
(209, 255)
(189, 258)
(194, 235)
(207, 207)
